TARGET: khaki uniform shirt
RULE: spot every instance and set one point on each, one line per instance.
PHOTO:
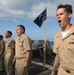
(2, 45)
(23, 44)
(64, 47)
(9, 50)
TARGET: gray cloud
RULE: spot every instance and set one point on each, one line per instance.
(29, 9)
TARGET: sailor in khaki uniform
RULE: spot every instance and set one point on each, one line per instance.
(9, 53)
(64, 42)
(22, 52)
(2, 48)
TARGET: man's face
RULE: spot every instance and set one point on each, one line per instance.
(19, 31)
(63, 17)
(7, 35)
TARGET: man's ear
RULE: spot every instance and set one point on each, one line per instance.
(9, 34)
(69, 15)
(22, 31)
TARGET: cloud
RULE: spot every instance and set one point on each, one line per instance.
(29, 9)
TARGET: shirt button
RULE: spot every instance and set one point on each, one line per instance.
(63, 55)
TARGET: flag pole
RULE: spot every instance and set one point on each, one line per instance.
(38, 21)
(45, 41)
(44, 45)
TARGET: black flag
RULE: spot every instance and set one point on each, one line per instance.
(39, 20)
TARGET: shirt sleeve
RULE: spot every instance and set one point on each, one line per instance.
(12, 44)
(55, 46)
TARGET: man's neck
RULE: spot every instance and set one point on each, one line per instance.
(21, 35)
(8, 37)
(68, 27)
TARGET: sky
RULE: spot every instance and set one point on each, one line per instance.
(15, 12)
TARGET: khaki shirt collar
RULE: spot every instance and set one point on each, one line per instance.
(9, 39)
(71, 32)
(21, 36)
(59, 35)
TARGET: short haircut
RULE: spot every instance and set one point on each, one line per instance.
(1, 36)
(10, 33)
(67, 7)
(23, 27)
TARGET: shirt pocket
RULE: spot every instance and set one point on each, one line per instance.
(22, 49)
(70, 51)
(20, 45)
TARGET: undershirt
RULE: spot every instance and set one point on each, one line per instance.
(65, 33)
